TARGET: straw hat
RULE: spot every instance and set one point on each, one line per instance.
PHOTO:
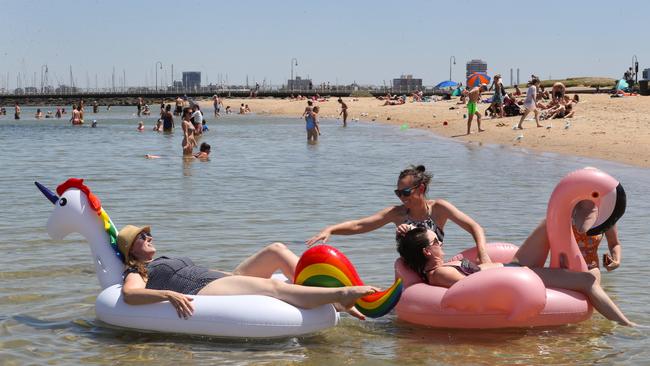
(127, 236)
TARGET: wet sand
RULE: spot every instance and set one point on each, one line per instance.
(615, 129)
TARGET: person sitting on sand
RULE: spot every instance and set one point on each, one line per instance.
(400, 100)
(530, 104)
(474, 96)
(562, 112)
(148, 280)
(204, 151)
(517, 91)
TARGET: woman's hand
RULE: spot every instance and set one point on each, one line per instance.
(182, 303)
(611, 264)
(321, 237)
(402, 229)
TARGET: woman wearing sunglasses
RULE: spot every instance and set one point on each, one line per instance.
(416, 210)
(148, 280)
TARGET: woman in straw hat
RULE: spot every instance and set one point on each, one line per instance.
(148, 280)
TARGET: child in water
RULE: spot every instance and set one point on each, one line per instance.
(140, 126)
(204, 151)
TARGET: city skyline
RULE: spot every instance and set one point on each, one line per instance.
(363, 42)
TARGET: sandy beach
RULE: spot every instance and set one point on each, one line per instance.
(616, 129)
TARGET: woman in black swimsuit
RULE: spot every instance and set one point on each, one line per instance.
(416, 209)
(148, 280)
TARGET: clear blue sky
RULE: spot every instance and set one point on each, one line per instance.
(363, 41)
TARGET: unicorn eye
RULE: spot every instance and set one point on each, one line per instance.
(63, 201)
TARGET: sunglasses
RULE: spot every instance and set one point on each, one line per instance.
(144, 236)
(406, 191)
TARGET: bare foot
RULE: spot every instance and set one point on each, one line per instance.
(352, 311)
(349, 295)
(538, 125)
(519, 128)
(480, 130)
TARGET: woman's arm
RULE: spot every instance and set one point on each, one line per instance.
(135, 293)
(359, 226)
(449, 211)
(614, 248)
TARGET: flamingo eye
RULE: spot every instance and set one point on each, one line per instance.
(63, 201)
(594, 194)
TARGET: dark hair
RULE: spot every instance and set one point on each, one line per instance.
(316, 109)
(187, 112)
(409, 247)
(419, 175)
(309, 102)
(340, 100)
(204, 147)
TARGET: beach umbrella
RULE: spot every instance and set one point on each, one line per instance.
(622, 85)
(477, 79)
(446, 84)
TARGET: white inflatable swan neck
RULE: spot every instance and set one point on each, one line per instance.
(585, 184)
(74, 213)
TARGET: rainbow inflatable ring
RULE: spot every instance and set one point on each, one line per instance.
(325, 266)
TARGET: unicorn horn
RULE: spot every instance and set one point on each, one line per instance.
(47, 193)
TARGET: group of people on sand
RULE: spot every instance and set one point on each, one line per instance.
(541, 103)
(420, 230)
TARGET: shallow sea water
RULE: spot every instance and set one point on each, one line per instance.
(264, 183)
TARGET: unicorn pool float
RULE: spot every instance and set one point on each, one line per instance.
(78, 210)
(516, 297)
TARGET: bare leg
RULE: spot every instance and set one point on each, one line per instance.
(301, 296)
(534, 250)
(586, 283)
(523, 117)
(469, 122)
(478, 122)
(345, 118)
(268, 260)
(537, 118)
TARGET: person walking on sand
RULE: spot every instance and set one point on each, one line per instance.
(474, 96)
(530, 103)
(344, 112)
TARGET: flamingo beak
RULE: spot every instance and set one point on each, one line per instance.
(47, 193)
(617, 202)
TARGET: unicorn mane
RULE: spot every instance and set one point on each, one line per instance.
(96, 205)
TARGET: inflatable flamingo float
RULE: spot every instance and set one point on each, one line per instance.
(515, 296)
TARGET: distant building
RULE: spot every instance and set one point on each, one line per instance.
(191, 79)
(475, 66)
(406, 83)
(299, 84)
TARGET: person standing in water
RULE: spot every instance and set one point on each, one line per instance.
(344, 112)
(17, 111)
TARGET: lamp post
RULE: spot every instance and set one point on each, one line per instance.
(454, 58)
(635, 65)
(293, 61)
(42, 79)
(157, 62)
